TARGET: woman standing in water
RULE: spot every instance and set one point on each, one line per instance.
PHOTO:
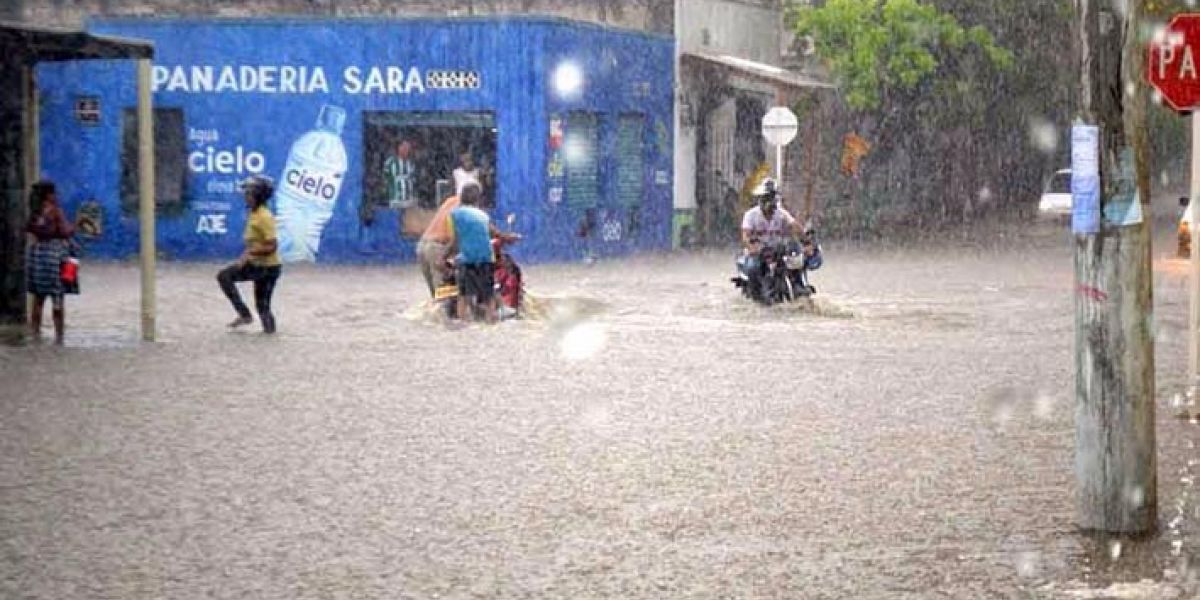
(50, 235)
(260, 262)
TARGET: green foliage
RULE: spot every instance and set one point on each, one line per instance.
(879, 48)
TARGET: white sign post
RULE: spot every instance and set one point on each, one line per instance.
(780, 127)
(1194, 258)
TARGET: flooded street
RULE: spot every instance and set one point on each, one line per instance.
(912, 438)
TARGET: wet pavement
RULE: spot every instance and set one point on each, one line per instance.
(910, 437)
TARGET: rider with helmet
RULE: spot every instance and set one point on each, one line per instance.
(768, 224)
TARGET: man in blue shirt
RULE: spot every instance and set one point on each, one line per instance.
(471, 251)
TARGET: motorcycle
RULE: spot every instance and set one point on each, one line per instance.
(779, 272)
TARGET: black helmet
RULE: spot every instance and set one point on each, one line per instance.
(261, 186)
(766, 189)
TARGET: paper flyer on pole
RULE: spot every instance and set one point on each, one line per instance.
(1085, 179)
(1124, 208)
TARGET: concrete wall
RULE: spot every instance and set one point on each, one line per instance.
(740, 28)
(645, 15)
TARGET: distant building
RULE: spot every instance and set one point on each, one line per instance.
(730, 74)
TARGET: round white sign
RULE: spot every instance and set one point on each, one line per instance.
(780, 126)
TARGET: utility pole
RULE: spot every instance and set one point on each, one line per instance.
(1114, 352)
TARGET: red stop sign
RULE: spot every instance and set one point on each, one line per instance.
(1174, 70)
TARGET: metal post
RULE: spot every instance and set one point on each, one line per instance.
(146, 201)
(779, 166)
(1194, 208)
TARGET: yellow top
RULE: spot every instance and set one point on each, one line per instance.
(260, 229)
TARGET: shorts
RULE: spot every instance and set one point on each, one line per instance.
(477, 282)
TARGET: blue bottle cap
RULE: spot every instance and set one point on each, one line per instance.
(332, 118)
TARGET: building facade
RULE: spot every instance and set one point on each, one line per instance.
(363, 124)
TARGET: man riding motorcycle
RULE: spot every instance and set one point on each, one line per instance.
(767, 226)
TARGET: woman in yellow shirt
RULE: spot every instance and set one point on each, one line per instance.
(260, 262)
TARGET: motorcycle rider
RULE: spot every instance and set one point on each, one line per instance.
(764, 225)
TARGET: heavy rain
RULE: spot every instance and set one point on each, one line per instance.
(599, 299)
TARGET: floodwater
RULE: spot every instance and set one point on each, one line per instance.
(908, 436)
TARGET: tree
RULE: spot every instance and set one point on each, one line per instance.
(880, 48)
(943, 105)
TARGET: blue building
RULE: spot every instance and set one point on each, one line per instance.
(366, 126)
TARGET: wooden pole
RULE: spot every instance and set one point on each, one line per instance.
(146, 197)
(814, 140)
(1114, 352)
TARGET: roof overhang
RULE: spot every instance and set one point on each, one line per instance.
(754, 70)
(44, 44)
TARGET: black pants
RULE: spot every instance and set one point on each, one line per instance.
(264, 279)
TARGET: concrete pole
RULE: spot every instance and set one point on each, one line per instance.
(1115, 460)
(146, 204)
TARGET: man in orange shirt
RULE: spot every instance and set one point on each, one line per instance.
(433, 243)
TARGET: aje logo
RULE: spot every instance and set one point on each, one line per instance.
(212, 224)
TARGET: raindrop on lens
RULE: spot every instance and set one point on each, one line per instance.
(1027, 563)
(583, 341)
(1043, 406)
(1114, 550)
(1043, 135)
(1136, 496)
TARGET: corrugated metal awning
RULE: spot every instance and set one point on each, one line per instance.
(43, 44)
(755, 70)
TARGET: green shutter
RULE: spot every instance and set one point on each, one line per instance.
(581, 150)
(630, 162)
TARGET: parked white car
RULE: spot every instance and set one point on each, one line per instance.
(1056, 196)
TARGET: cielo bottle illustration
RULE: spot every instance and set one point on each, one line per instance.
(309, 186)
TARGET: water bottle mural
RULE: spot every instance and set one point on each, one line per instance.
(309, 186)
